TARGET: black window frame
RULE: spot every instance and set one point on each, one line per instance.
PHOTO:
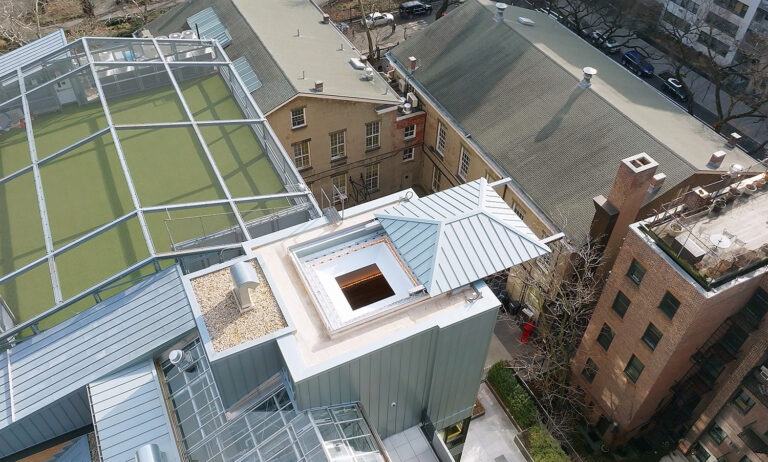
(658, 334)
(716, 434)
(605, 337)
(669, 303)
(633, 361)
(634, 268)
(616, 303)
(749, 402)
(590, 370)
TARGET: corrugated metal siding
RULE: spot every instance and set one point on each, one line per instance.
(128, 412)
(459, 235)
(208, 24)
(5, 390)
(458, 367)
(399, 373)
(63, 416)
(100, 340)
(240, 373)
(32, 51)
(250, 79)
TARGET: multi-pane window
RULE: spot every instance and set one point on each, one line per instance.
(301, 154)
(652, 336)
(339, 187)
(743, 401)
(676, 22)
(669, 305)
(518, 210)
(634, 369)
(410, 132)
(721, 24)
(699, 453)
(298, 118)
(716, 433)
(636, 272)
(440, 142)
(372, 135)
(745, 459)
(689, 5)
(338, 145)
(371, 177)
(605, 337)
(590, 370)
(436, 179)
(621, 304)
(734, 6)
(718, 46)
(407, 154)
(734, 338)
(463, 164)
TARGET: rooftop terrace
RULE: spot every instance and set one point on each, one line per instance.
(115, 153)
(718, 232)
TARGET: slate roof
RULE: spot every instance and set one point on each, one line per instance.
(562, 145)
(128, 412)
(459, 235)
(99, 340)
(32, 51)
(276, 89)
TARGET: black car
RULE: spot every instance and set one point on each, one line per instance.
(676, 89)
(414, 8)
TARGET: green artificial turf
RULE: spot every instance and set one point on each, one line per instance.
(85, 188)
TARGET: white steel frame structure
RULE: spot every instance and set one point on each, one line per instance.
(87, 55)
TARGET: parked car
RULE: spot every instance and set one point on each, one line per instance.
(676, 89)
(609, 44)
(414, 8)
(636, 63)
(378, 19)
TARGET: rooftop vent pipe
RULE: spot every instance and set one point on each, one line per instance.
(318, 85)
(656, 182)
(149, 453)
(183, 360)
(245, 277)
(369, 73)
(412, 63)
(716, 159)
(735, 170)
(733, 140)
(500, 7)
(326, 18)
(589, 72)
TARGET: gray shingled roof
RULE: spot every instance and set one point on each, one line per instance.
(276, 88)
(562, 145)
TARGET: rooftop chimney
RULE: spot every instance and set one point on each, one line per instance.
(318, 85)
(589, 72)
(412, 63)
(656, 182)
(733, 140)
(716, 159)
(500, 7)
(326, 18)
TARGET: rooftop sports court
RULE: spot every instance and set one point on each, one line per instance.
(117, 153)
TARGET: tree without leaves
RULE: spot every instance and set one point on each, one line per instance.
(367, 30)
(20, 21)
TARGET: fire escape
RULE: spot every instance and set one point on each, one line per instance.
(696, 388)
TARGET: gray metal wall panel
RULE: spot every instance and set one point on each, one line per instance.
(398, 373)
(5, 391)
(240, 373)
(46, 423)
(458, 367)
(32, 51)
(129, 412)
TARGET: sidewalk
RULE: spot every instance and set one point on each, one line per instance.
(491, 436)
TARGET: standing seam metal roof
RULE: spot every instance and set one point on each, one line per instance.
(128, 412)
(32, 51)
(101, 339)
(560, 143)
(459, 235)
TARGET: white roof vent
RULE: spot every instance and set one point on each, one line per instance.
(245, 278)
(369, 73)
(589, 72)
(500, 7)
(526, 21)
(149, 453)
(357, 63)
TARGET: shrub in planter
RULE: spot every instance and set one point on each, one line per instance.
(513, 395)
(543, 447)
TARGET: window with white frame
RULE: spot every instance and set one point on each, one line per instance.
(340, 187)
(371, 177)
(297, 118)
(372, 135)
(301, 154)
(407, 154)
(410, 132)
(436, 178)
(337, 145)
(440, 142)
(463, 164)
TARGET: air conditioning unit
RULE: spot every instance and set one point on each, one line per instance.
(412, 99)
(402, 84)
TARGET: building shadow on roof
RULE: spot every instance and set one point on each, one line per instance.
(553, 124)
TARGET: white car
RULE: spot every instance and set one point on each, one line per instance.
(609, 44)
(378, 19)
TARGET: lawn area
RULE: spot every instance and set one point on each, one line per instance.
(85, 188)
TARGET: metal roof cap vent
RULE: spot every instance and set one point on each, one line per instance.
(368, 75)
(183, 360)
(149, 453)
(500, 7)
(245, 278)
(589, 72)
(735, 170)
(526, 21)
(318, 85)
(406, 108)
(656, 182)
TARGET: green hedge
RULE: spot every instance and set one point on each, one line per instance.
(543, 447)
(515, 398)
